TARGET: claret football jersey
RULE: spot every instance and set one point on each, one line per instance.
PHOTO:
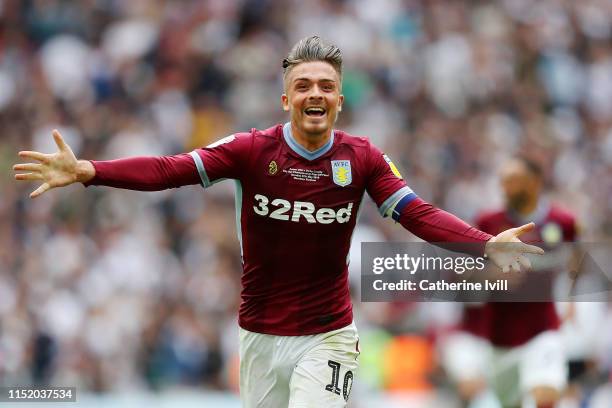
(514, 324)
(295, 214)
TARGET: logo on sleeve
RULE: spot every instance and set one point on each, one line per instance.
(392, 166)
(341, 171)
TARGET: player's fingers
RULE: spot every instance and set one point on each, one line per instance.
(59, 140)
(29, 176)
(505, 268)
(27, 167)
(523, 229)
(530, 249)
(524, 261)
(40, 190)
(41, 157)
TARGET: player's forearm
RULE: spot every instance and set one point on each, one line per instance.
(438, 226)
(145, 173)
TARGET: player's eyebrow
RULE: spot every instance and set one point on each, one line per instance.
(311, 80)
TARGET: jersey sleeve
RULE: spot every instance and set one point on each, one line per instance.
(438, 226)
(482, 222)
(225, 159)
(385, 183)
(145, 173)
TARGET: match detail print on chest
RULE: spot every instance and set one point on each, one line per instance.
(332, 171)
(293, 170)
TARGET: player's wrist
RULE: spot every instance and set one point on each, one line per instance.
(85, 171)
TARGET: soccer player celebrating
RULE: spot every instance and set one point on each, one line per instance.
(299, 187)
(527, 360)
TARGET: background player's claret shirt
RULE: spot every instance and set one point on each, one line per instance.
(296, 211)
(513, 324)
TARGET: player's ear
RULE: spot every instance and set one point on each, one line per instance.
(285, 102)
(340, 102)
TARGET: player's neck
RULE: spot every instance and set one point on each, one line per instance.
(310, 142)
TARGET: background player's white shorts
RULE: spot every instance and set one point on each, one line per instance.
(466, 357)
(512, 372)
(541, 362)
(298, 371)
(544, 362)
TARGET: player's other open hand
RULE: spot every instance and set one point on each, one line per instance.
(54, 170)
(508, 252)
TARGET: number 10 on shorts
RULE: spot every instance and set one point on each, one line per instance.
(347, 384)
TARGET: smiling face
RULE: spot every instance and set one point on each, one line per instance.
(312, 96)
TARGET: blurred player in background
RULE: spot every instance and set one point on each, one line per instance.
(515, 347)
(299, 189)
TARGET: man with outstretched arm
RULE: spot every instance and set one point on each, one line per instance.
(299, 187)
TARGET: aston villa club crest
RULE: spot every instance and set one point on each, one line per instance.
(341, 171)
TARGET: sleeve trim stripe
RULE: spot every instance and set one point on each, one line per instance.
(397, 211)
(394, 198)
(201, 170)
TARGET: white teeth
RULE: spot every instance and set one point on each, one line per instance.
(315, 110)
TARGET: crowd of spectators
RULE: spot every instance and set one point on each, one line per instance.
(110, 290)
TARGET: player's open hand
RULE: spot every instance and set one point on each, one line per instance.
(54, 170)
(508, 252)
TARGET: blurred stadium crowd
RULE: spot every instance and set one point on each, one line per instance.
(111, 290)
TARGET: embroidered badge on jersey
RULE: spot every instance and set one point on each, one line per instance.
(341, 171)
(272, 168)
(392, 166)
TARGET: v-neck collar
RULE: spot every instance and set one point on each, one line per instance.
(301, 150)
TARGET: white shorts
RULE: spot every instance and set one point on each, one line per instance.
(544, 362)
(466, 357)
(541, 362)
(298, 371)
(512, 372)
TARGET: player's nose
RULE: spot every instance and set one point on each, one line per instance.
(315, 93)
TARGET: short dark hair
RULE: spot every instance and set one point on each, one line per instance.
(313, 48)
(532, 166)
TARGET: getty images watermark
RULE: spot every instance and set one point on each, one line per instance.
(413, 264)
(445, 272)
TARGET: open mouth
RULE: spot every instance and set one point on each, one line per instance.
(315, 111)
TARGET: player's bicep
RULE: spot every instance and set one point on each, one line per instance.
(224, 159)
(386, 185)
